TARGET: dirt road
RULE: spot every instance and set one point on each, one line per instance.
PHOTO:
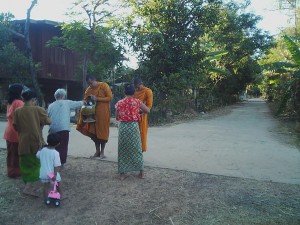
(241, 143)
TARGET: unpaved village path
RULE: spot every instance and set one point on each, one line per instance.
(242, 143)
(239, 144)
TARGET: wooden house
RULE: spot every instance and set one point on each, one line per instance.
(58, 66)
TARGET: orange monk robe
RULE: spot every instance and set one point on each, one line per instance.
(146, 96)
(101, 127)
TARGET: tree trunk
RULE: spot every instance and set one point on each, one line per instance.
(29, 55)
(296, 101)
(84, 71)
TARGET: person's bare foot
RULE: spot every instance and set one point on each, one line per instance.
(141, 176)
(95, 156)
(102, 156)
(122, 176)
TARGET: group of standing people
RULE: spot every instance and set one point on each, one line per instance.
(128, 112)
(23, 136)
(132, 112)
(28, 155)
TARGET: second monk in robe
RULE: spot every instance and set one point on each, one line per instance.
(146, 96)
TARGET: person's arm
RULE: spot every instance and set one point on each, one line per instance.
(56, 170)
(117, 109)
(16, 104)
(45, 120)
(38, 154)
(144, 108)
(49, 110)
(57, 164)
(15, 122)
(75, 104)
(117, 115)
(86, 94)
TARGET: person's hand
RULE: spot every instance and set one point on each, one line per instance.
(93, 97)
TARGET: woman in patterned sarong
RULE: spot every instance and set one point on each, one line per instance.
(130, 155)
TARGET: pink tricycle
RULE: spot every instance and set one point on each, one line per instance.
(54, 195)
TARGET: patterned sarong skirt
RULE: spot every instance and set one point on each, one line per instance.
(130, 155)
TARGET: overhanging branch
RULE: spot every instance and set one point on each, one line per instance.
(16, 33)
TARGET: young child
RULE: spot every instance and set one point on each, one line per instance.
(50, 163)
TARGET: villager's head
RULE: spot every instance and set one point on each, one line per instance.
(60, 94)
(14, 92)
(91, 80)
(129, 89)
(53, 139)
(138, 83)
(29, 96)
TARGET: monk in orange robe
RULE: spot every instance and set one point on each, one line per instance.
(98, 131)
(146, 96)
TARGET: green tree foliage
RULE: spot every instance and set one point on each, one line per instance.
(282, 82)
(237, 33)
(13, 63)
(166, 34)
(175, 40)
(18, 65)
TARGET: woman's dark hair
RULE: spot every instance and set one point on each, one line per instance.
(89, 77)
(28, 95)
(53, 139)
(129, 89)
(137, 81)
(14, 92)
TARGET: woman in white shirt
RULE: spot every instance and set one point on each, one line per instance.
(59, 113)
